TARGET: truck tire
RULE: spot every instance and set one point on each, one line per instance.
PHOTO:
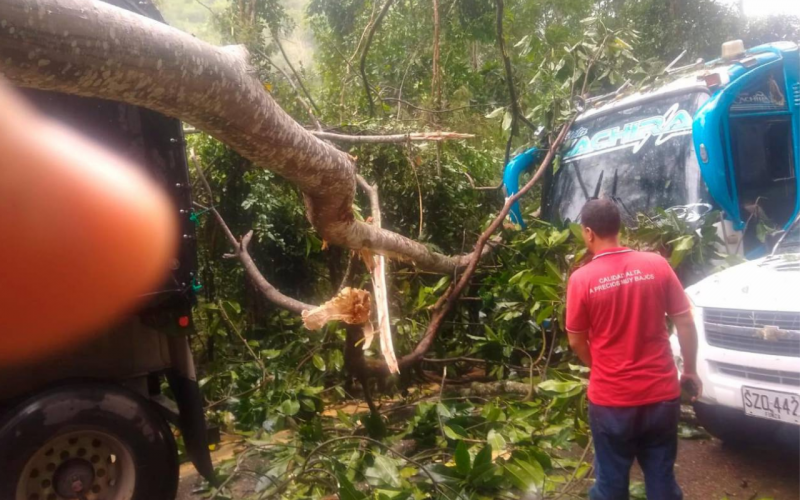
(90, 441)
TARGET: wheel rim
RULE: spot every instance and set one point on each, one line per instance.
(84, 465)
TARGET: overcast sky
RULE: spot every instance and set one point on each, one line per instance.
(768, 7)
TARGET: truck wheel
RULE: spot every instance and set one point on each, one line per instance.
(87, 441)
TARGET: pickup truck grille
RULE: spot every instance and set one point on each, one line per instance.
(760, 374)
(763, 332)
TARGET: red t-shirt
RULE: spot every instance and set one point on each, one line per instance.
(621, 298)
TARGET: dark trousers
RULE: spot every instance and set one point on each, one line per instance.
(648, 433)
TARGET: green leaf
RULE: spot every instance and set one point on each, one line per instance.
(533, 469)
(454, 431)
(496, 113)
(289, 407)
(443, 474)
(637, 490)
(563, 388)
(483, 458)
(507, 118)
(482, 468)
(559, 237)
(336, 359)
(383, 472)
(319, 363)
(544, 314)
(270, 353)
(550, 292)
(676, 258)
(462, 459)
(518, 477)
(346, 489)
(496, 441)
(684, 243)
(308, 404)
(232, 306)
(576, 230)
(443, 410)
(527, 475)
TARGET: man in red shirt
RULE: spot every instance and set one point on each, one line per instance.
(617, 307)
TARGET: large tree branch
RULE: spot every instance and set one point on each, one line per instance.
(94, 49)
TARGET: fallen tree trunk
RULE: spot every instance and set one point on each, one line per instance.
(94, 49)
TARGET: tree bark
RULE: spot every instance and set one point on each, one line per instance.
(94, 49)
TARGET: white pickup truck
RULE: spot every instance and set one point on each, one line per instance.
(748, 326)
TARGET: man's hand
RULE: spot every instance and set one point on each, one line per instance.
(692, 384)
(687, 337)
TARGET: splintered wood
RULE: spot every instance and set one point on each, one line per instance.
(349, 305)
(382, 306)
(353, 307)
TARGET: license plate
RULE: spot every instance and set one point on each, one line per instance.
(763, 403)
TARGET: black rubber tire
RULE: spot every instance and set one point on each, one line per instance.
(111, 409)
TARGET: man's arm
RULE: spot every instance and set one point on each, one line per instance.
(578, 321)
(579, 342)
(687, 337)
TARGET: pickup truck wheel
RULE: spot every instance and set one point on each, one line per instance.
(87, 442)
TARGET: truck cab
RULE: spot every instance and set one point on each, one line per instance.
(723, 134)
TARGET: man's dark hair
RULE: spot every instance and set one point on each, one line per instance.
(602, 217)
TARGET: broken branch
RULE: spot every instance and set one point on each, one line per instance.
(392, 138)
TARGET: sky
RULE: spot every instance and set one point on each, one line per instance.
(758, 8)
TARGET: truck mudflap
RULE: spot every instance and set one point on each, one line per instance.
(183, 382)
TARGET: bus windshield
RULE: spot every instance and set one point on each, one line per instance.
(641, 156)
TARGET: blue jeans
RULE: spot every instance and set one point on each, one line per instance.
(648, 433)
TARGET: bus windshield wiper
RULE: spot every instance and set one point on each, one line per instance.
(580, 181)
(617, 199)
(598, 185)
